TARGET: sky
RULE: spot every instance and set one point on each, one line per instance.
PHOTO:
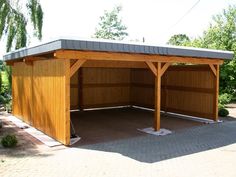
(155, 20)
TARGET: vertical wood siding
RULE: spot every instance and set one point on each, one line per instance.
(74, 91)
(185, 89)
(48, 104)
(105, 87)
(22, 91)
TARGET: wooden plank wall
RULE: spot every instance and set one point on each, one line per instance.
(74, 91)
(49, 99)
(142, 87)
(105, 87)
(22, 91)
(185, 89)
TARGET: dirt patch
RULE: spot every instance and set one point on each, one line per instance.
(27, 145)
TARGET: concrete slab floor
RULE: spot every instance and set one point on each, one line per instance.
(112, 124)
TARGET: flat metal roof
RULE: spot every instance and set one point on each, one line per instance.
(116, 46)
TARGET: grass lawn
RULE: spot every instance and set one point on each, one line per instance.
(4, 78)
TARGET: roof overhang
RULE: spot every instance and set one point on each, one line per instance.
(116, 47)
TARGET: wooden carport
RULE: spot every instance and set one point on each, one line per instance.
(42, 87)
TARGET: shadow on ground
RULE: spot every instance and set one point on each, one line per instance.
(26, 146)
(150, 149)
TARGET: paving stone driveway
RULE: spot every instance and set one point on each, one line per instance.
(208, 150)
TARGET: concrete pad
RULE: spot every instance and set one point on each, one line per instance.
(161, 132)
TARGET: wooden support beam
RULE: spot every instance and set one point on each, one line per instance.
(158, 71)
(114, 64)
(164, 68)
(9, 63)
(33, 58)
(31, 63)
(152, 67)
(157, 118)
(213, 69)
(76, 66)
(215, 106)
(115, 56)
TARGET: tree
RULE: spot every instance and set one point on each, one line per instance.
(179, 40)
(221, 35)
(110, 25)
(13, 22)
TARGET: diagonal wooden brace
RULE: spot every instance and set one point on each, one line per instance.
(76, 66)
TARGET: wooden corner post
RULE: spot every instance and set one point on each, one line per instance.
(157, 118)
(216, 73)
(217, 78)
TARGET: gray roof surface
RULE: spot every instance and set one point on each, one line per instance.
(114, 46)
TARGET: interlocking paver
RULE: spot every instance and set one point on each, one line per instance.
(208, 150)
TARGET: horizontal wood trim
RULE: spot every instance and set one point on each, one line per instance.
(116, 56)
(105, 105)
(178, 88)
(190, 113)
(106, 85)
(31, 58)
(189, 89)
(189, 68)
(114, 64)
(143, 85)
(173, 110)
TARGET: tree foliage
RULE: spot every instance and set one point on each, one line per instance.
(110, 25)
(179, 40)
(13, 22)
(221, 35)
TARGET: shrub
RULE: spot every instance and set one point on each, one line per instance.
(220, 106)
(223, 112)
(225, 98)
(9, 141)
(1, 124)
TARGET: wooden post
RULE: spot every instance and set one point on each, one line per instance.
(66, 130)
(80, 89)
(157, 118)
(217, 76)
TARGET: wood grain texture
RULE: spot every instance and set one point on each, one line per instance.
(74, 94)
(22, 91)
(157, 117)
(152, 67)
(213, 69)
(117, 56)
(114, 64)
(74, 68)
(189, 89)
(105, 86)
(41, 95)
(50, 82)
(216, 93)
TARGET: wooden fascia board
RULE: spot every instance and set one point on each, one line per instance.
(115, 56)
